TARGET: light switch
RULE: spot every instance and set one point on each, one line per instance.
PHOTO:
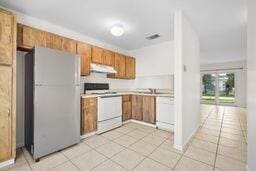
(184, 68)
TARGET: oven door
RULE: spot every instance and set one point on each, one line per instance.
(110, 107)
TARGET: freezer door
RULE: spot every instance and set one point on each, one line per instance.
(53, 67)
(56, 118)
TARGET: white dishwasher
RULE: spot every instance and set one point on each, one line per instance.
(165, 113)
(110, 112)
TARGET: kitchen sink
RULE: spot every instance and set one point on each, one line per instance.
(150, 92)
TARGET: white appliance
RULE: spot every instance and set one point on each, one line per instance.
(102, 69)
(109, 113)
(109, 106)
(165, 113)
(52, 96)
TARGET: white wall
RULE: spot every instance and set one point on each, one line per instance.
(154, 66)
(251, 84)
(187, 80)
(20, 99)
(155, 60)
(240, 79)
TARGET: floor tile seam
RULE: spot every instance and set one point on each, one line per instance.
(26, 159)
(150, 154)
(216, 154)
(241, 127)
(70, 160)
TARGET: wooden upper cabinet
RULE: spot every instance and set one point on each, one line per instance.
(28, 37)
(89, 115)
(108, 57)
(130, 68)
(68, 45)
(84, 50)
(137, 109)
(119, 66)
(6, 37)
(53, 41)
(97, 55)
(149, 109)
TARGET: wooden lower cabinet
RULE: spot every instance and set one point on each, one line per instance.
(149, 109)
(88, 115)
(144, 108)
(126, 107)
(137, 109)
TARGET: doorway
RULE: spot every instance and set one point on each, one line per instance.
(218, 88)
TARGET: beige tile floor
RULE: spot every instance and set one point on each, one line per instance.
(220, 144)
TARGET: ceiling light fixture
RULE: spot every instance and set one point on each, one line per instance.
(117, 30)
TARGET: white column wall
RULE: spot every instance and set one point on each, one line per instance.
(187, 80)
(251, 86)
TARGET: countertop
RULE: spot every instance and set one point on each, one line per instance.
(171, 95)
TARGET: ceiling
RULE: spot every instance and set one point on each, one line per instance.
(221, 24)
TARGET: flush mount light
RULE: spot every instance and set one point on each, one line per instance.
(117, 30)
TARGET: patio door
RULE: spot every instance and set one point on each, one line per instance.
(218, 88)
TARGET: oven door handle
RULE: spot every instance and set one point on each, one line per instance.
(110, 96)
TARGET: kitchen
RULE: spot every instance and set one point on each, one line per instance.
(114, 86)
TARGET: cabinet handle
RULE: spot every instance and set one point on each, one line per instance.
(9, 112)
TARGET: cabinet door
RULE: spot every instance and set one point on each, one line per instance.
(6, 38)
(68, 45)
(149, 109)
(53, 41)
(126, 107)
(97, 55)
(137, 102)
(84, 50)
(89, 115)
(5, 112)
(130, 68)
(32, 37)
(119, 66)
(108, 57)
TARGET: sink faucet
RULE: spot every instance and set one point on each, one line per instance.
(152, 90)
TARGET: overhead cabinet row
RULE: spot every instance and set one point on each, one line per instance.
(28, 37)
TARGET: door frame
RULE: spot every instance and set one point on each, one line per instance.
(217, 72)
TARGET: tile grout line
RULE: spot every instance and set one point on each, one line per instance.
(26, 159)
(112, 140)
(150, 154)
(188, 145)
(216, 154)
(71, 160)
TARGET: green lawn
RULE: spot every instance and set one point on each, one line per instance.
(222, 99)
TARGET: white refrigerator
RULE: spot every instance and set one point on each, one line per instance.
(52, 101)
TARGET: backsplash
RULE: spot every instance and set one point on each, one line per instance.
(141, 82)
(157, 82)
(102, 78)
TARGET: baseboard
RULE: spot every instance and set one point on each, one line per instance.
(178, 147)
(247, 168)
(142, 123)
(6, 163)
(165, 126)
(20, 144)
(87, 135)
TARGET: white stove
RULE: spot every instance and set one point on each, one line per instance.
(109, 106)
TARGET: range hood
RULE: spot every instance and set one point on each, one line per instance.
(102, 69)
